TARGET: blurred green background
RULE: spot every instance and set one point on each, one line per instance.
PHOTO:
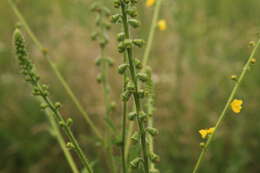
(205, 42)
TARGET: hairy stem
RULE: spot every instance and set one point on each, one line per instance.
(135, 81)
(58, 135)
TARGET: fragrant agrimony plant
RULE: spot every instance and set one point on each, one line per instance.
(59, 76)
(133, 83)
(103, 62)
(209, 133)
(41, 90)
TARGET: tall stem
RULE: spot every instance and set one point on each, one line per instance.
(223, 113)
(135, 81)
(56, 71)
(61, 141)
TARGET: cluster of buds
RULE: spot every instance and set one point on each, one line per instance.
(102, 22)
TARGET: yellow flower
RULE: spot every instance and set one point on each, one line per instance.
(162, 25)
(205, 132)
(236, 105)
(150, 3)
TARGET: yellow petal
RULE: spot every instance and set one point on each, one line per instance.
(236, 105)
(203, 133)
(211, 130)
(162, 25)
(150, 3)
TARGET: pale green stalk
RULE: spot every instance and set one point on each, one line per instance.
(58, 135)
(135, 81)
(223, 113)
(144, 63)
(124, 130)
(56, 71)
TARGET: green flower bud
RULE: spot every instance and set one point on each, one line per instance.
(135, 163)
(94, 36)
(139, 42)
(154, 157)
(132, 116)
(138, 64)
(126, 95)
(132, 12)
(57, 105)
(117, 3)
(115, 18)
(69, 145)
(152, 131)
(121, 47)
(135, 137)
(142, 116)
(130, 87)
(134, 23)
(141, 93)
(142, 77)
(128, 43)
(99, 78)
(98, 61)
(121, 36)
(69, 122)
(44, 106)
(122, 68)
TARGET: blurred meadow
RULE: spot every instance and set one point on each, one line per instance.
(204, 44)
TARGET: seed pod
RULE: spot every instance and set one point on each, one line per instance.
(43, 106)
(69, 145)
(128, 43)
(69, 122)
(126, 95)
(132, 116)
(121, 47)
(253, 61)
(121, 36)
(132, 12)
(99, 78)
(138, 64)
(134, 23)
(135, 137)
(154, 157)
(135, 163)
(117, 3)
(122, 68)
(142, 77)
(130, 87)
(142, 116)
(139, 42)
(141, 93)
(115, 18)
(57, 105)
(94, 36)
(98, 61)
(152, 131)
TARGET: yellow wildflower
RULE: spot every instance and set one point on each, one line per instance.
(150, 3)
(236, 105)
(205, 132)
(162, 25)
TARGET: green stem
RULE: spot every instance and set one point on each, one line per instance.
(56, 71)
(135, 81)
(152, 33)
(106, 90)
(223, 113)
(57, 134)
(147, 55)
(124, 130)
